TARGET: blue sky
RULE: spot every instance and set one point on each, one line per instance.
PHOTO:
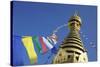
(34, 18)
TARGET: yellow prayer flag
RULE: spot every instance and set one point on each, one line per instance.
(29, 45)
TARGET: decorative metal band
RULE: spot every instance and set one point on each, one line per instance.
(69, 46)
(70, 51)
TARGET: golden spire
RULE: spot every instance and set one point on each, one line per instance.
(76, 20)
(72, 49)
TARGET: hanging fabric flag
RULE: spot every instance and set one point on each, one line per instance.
(44, 48)
(54, 38)
(36, 40)
(54, 50)
(50, 40)
(48, 44)
(28, 44)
